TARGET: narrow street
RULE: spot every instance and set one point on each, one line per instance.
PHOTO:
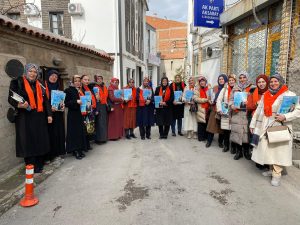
(160, 182)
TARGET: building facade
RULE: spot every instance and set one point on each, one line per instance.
(172, 45)
(152, 57)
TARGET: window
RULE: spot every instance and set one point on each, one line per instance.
(14, 16)
(56, 23)
(171, 65)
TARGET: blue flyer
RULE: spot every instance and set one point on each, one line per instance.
(189, 95)
(83, 105)
(225, 109)
(157, 101)
(178, 96)
(127, 94)
(288, 104)
(210, 94)
(57, 99)
(118, 93)
(96, 90)
(240, 99)
(147, 94)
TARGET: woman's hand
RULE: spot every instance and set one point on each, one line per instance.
(280, 118)
(220, 113)
(233, 107)
(23, 105)
(252, 130)
(163, 104)
(148, 102)
(79, 102)
(53, 109)
(50, 120)
(97, 97)
(62, 107)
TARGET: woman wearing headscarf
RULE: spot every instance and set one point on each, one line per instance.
(201, 98)
(239, 123)
(163, 114)
(130, 111)
(177, 109)
(223, 101)
(101, 119)
(277, 155)
(190, 121)
(57, 127)
(32, 140)
(214, 123)
(76, 141)
(145, 109)
(89, 116)
(115, 117)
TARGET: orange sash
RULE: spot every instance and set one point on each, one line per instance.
(167, 95)
(269, 99)
(132, 102)
(39, 94)
(203, 95)
(103, 94)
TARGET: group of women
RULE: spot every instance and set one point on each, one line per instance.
(40, 130)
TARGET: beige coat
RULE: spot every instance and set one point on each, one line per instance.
(190, 118)
(223, 97)
(279, 153)
(239, 122)
(201, 114)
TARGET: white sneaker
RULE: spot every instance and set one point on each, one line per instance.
(275, 181)
(195, 136)
(267, 173)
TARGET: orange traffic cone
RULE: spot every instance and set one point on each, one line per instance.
(29, 198)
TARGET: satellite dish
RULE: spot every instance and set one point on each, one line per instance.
(14, 68)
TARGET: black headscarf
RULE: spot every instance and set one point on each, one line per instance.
(161, 83)
(52, 86)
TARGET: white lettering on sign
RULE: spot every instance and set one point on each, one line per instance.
(204, 6)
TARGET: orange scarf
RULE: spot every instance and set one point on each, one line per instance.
(203, 95)
(132, 102)
(256, 96)
(167, 95)
(47, 90)
(30, 94)
(103, 94)
(142, 101)
(229, 93)
(86, 88)
(269, 99)
(174, 86)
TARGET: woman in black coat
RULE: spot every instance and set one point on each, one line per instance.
(164, 112)
(76, 135)
(32, 140)
(57, 128)
(145, 110)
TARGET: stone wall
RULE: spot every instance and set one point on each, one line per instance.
(15, 45)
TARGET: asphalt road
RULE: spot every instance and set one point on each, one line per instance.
(161, 182)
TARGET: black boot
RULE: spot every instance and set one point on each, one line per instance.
(239, 153)
(131, 133)
(208, 144)
(247, 154)
(127, 135)
(233, 148)
(226, 149)
(77, 155)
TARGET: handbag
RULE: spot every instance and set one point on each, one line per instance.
(277, 134)
(12, 114)
(194, 108)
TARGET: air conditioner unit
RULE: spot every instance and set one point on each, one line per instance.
(75, 9)
(31, 10)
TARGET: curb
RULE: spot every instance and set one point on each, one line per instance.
(14, 196)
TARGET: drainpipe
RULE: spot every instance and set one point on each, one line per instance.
(120, 41)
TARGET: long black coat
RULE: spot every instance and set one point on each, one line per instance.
(145, 114)
(163, 116)
(31, 126)
(76, 135)
(178, 110)
(57, 134)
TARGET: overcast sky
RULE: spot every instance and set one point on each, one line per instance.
(171, 9)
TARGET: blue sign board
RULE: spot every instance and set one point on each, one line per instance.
(207, 13)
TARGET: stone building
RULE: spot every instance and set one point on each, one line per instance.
(21, 44)
(172, 44)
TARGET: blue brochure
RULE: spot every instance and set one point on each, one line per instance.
(118, 93)
(288, 104)
(210, 94)
(147, 94)
(225, 109)
(178, 96)
(189, 95)
(157, 100)
(240, 99)
(83, 105)
(127, 94)
(96, 90)
(57, 99)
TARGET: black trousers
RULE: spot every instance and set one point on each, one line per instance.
(202, 133)
(210, 138)
(164, 130)
(226, 137)
(244, 147)
(36, 161)
(145, 130)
